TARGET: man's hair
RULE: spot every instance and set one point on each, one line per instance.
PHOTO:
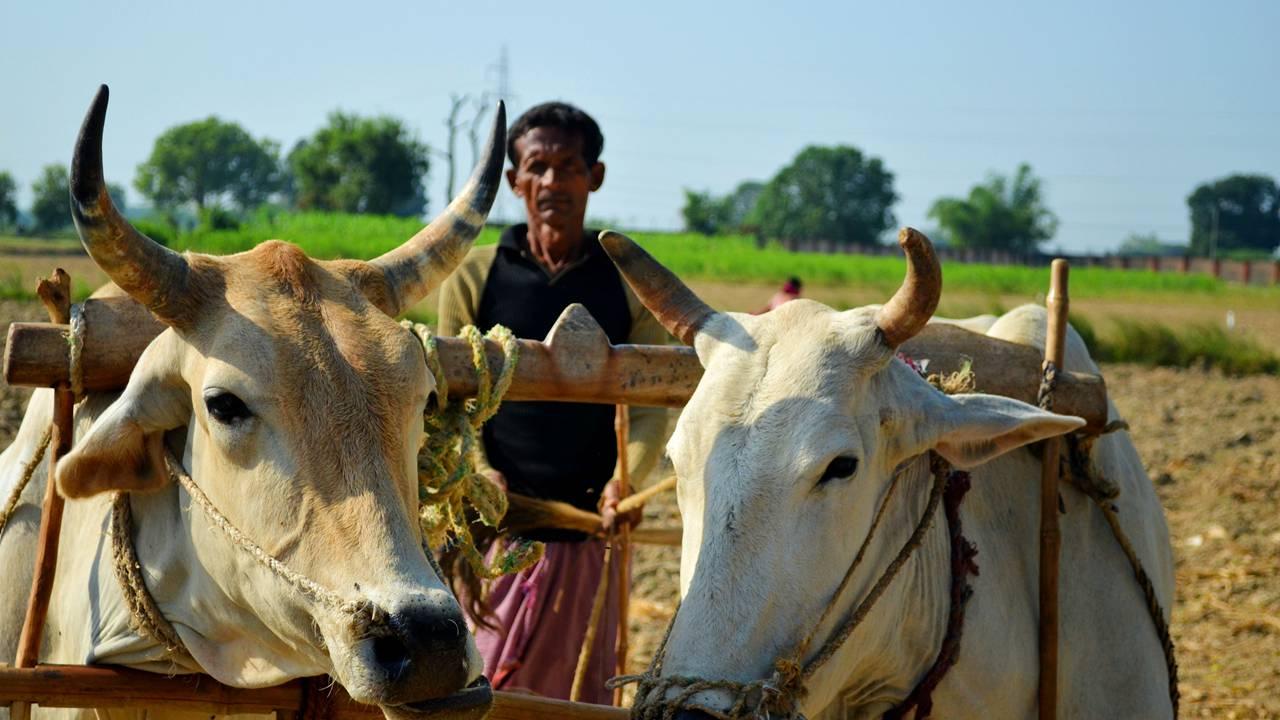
(558, 115)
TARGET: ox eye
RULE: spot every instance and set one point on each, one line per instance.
(839, 469)
(226, 408)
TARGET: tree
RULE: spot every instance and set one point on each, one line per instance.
(208, 163)
(1238, 212)
(998, 215)
(831, 193)
(707, 214)
(8, 200)
(363, 165)
(51, 199)
(701, 213)
(739, 205)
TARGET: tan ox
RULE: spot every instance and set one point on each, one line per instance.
(785, 452)
(295, 402)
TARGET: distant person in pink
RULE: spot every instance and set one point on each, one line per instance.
(790, 291)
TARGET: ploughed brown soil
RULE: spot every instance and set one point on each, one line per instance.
(1212, 446)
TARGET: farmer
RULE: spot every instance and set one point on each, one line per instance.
(531, 631)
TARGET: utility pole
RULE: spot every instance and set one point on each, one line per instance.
(451, 156)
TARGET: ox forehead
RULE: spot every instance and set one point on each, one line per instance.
(301, 401)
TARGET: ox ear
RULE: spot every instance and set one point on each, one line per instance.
(973, 429)
(124, 448)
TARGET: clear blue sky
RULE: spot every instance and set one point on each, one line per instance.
(1120, 107)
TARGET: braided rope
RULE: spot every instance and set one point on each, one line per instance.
(144, 615)
(449, 484)
(779, 695)
(1085, 476)
(1153, 602)
(366, 618)
(28, 471)
(75, 350)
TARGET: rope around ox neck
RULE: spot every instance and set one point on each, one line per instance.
(780, 694)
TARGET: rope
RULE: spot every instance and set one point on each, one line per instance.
(366, 619)
(447, 475)
(781, 692)
(28, 471)
(1084, 475)
(75, 350)
(145, 616)
(1153, 602)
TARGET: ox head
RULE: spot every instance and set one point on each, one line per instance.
(296, 401)
(786, 450)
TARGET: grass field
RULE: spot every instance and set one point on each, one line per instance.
(1159, 318)
(725, 258)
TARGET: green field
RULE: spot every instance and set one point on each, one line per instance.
(724, 258)
(1160, 318)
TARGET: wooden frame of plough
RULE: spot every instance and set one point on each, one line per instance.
(575, 363)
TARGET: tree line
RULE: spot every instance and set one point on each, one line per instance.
(218, 170)
(838, 194)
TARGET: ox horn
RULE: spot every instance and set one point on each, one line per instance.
(422, 263)
(152, 274)
(910, 308)
(679, 310)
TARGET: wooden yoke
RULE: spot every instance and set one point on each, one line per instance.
(575, 363)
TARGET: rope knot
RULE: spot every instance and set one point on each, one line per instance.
(452, 492)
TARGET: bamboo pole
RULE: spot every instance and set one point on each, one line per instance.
(593, 624)
(638, 498)
(78, 686)
(55, 293)
(622, 429)
(526, 513)
(1050, 535)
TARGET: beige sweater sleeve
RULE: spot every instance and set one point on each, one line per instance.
(648, 435)
(460, 301)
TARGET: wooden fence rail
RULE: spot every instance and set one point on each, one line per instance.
(76, 686)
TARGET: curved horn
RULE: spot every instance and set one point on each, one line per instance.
(913, 304)
(152, 274)
(422, 263)
(680, 311)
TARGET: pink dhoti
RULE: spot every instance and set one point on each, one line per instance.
(540, 619)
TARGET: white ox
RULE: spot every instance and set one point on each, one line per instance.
(295, 402)
(784, 453)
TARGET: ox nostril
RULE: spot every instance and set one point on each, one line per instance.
(392, 654)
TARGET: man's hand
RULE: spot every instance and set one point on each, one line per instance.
(609, 510)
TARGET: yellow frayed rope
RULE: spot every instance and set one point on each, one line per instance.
(448, 482)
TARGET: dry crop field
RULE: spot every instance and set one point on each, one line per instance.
(1212, 446)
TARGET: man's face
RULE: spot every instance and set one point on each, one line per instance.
(552, 176)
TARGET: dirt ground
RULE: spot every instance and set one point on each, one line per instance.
(1211, 445)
